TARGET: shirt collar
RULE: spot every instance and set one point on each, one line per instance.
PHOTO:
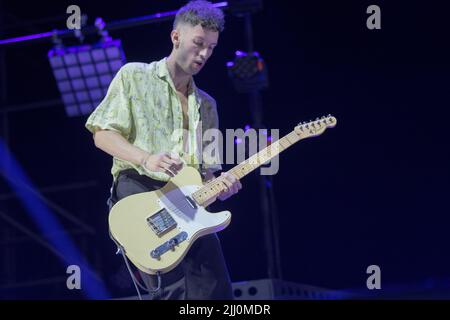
(163, 73)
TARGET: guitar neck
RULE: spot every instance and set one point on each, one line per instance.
(263, 156)
(214, 187)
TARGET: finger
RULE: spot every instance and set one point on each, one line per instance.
(167, 159)
(176, 158)
(176, 163)
(174, 168)
(168, 163)
(231, 188)
(230, 177)
(228, 185)
(171, 172)
(226, 179)
(168, 172)
(226, 189)
(235, 183)
(238, 185)
(164, 167)
(179, 166)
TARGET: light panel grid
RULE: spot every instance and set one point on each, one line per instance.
(83, 74)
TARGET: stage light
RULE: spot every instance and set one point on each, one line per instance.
(83, 73)
(248, 72)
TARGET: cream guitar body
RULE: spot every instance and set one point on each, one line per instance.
(157, 228)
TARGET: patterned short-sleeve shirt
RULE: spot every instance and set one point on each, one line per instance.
(143, 106)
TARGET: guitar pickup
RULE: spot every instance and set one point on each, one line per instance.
(161, 222)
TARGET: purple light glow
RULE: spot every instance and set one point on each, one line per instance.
(98, 22)
(26, 38)
(114, 45)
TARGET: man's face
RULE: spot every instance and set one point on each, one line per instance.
(196, 44)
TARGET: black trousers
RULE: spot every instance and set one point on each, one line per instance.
(201, 275)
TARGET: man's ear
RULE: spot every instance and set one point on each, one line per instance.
(175, 37)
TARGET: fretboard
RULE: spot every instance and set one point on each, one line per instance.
(214, 187)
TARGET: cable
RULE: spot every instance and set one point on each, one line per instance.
(133, 278)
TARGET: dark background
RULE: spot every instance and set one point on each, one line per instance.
(373, 190)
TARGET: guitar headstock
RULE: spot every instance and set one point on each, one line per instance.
(315, 128)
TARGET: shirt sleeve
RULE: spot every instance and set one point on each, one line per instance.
(114, 112)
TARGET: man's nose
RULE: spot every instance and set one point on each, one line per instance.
(204, 53)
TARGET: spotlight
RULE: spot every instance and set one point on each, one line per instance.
(83, 73)
(248, 72)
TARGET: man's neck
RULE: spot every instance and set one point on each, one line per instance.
(179, 78)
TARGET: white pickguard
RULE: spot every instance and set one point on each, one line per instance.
(189, 219)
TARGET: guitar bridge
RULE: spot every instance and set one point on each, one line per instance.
(161, 222)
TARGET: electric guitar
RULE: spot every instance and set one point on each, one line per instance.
(156, 229)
